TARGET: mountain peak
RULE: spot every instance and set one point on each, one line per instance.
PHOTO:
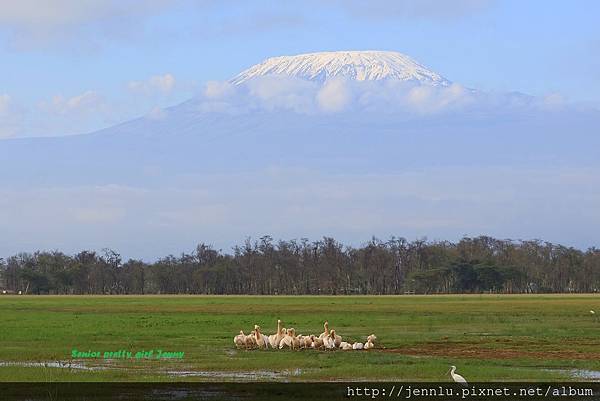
(368, 65)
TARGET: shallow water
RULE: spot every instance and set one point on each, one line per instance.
(581, 374)
(259, 374)
(237, 375)
(585, 374)
(53, 364)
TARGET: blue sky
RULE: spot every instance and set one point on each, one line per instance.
(241, 161)
(76, 66)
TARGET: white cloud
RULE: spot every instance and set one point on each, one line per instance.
(429, 100)
(270, 87)
(90, 111)
(161, 84)
(554, 101)
(334, 96)
(281, 93)
(34, 23)
(87, 102)
(286, 93)
(218, 89)
(66, 115)
(31, 13)
(264, 93)
(90, 24)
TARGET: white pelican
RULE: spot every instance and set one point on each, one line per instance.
(276, 338)
(251, 340)
(357, 346)
(345, 346)
(289, 340)
(316, 342)
(240, 340)
(326, 328)
(336, 338)
(329, 341)
(261, 340)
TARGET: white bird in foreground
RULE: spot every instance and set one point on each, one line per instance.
(592, 312)
(458, 378)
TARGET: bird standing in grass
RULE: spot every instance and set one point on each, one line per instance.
(457, 378)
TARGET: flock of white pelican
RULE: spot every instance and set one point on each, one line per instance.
(287, 338)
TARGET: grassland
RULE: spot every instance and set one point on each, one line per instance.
(488, 337)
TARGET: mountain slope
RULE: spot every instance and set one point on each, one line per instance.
(355, 65)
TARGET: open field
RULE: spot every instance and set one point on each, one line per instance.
(489, 337)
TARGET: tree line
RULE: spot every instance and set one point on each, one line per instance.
(265, 266)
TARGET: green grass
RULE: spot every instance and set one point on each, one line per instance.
(488, 337)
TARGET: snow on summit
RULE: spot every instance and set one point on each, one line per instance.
(355, 65)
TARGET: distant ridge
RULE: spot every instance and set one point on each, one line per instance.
(355, 65)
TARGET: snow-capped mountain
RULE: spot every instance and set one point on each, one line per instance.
(267, 157)
(355, 65)
(380, 128)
